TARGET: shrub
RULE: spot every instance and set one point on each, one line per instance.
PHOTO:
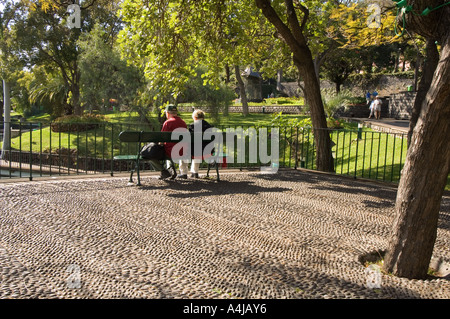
(333, 102)
(334, 123)
(75, 123)
(278, 119)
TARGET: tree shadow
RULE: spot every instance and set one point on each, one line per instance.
(207, 187)
(289, 281)
(290, 175)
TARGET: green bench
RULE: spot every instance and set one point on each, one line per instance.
(141, 138)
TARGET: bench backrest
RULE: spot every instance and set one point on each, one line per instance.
(148, 137)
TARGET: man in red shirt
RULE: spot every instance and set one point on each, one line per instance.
(173, 122)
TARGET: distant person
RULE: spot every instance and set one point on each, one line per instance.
(376, 105)
(375, 94)
(199, 124)
(368, 98)
(371, 109)
(173, 122)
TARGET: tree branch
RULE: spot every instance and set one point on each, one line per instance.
(296, 44)
(305, 11)
(293, 21)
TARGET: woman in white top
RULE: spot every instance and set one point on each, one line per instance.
(199, 119)
(377, 107)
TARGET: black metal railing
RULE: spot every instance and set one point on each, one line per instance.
(44, 149)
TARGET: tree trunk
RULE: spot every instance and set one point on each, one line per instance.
(242, 91)
(423, 180)
(279, 80)
(431, 61)
(313, 98)
(338, 87)
(75, 100)
(397, 60)
(6, 118)
(293, 35)
(227, 74)
(416, 70)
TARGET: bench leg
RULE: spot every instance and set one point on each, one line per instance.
(131, 176)
(138, 173)
(207, 172)
(217, 171)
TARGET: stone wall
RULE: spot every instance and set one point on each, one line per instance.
(362, 110)
(286, 109)
(384, 84)
(401, 105)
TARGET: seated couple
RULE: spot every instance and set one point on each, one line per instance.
(173, 122)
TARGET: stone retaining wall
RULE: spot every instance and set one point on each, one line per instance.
(362, 110)
(401, 105)
(287, 109)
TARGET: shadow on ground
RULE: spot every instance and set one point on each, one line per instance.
(205, 187)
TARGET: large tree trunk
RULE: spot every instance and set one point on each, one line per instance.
(293, 35)
(313, 98)
(242, 91)
(428, 159)
(423, 180)
(431, 61)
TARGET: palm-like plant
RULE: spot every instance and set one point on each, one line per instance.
(49, 90)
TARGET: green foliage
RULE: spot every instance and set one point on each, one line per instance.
(43, 40)
(339, 64)
(334, 123)
(280, 120)
(104, 75)
(216, 99)
(44, 88)
(334, 101)
(171, 40)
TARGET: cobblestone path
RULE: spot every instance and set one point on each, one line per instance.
(294, 234)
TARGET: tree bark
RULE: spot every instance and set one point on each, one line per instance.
(6, 118)
(242, 91)
(428, 159)
(279, 80)
(431, 61)
(338, 87)
(227, 74)
(75, 89)
(75, 101)
(292, 34)
(423, 180)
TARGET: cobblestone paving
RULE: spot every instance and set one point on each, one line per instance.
(290, 235)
